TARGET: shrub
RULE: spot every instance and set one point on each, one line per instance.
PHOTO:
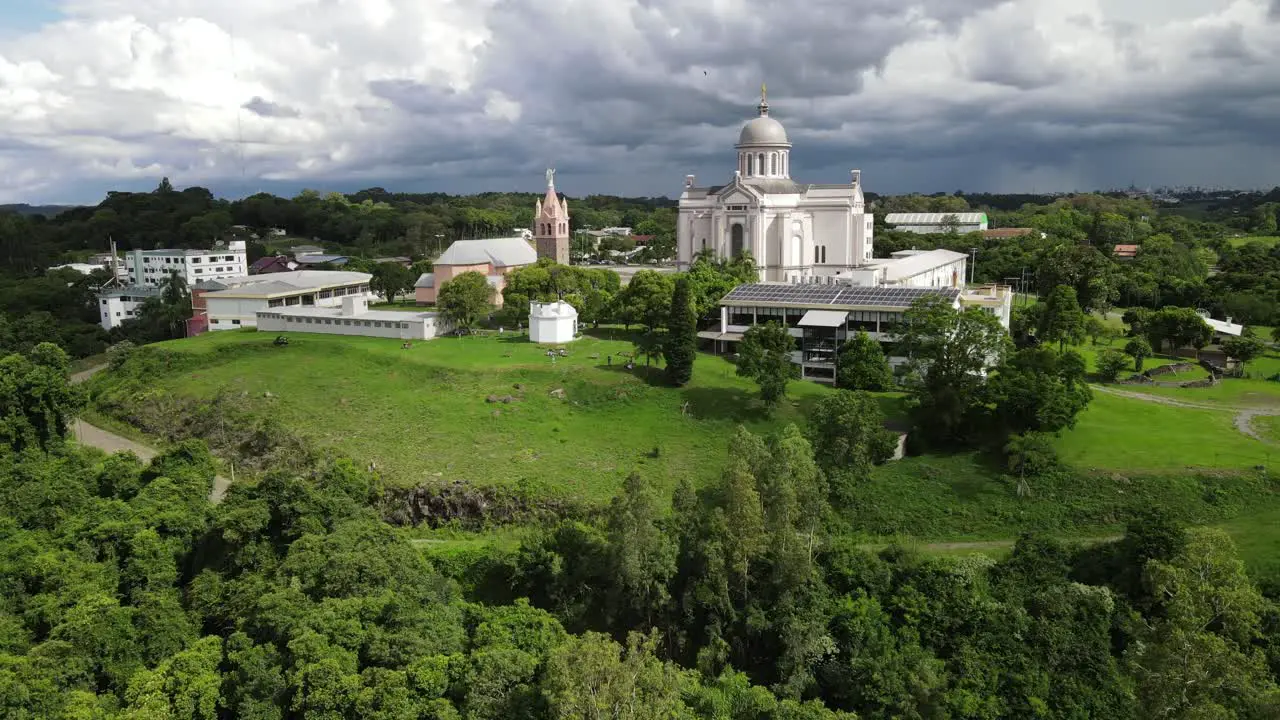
(1031, 453)
(1111, 363)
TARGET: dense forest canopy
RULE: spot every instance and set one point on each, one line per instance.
(129, 594)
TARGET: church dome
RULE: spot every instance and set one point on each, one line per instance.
(763, 130)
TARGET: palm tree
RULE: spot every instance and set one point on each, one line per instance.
(175, 303)
(649, 345)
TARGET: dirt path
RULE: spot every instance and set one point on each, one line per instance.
(107, 441)
(1243, 416)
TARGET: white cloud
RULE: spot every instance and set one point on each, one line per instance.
(474, 94)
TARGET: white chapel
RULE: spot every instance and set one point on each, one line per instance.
(796, 232)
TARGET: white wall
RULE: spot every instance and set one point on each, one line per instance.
(112, 311)
(412, 327)
(554, 330)
(233, 313)
(940, 276)
(194, 267)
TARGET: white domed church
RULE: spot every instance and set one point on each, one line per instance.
(796, 232)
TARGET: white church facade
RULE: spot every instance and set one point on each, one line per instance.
(795, 232)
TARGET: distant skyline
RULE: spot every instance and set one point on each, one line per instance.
(626, 97)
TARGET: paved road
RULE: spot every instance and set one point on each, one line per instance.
(94, 436)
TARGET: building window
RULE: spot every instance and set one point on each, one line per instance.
(760, 162)
(773, 163)
(215, 322)
(751, 165)
(275, 303)
(824, 254)
(815, 255)
(195, 260)
(235, 322)
(736, 240)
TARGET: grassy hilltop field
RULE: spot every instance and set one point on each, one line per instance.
(496, 411)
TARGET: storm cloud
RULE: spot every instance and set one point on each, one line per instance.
(628, 96)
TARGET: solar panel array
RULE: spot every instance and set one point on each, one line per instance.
(811, 295)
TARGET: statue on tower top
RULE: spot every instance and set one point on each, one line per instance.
(551, 177)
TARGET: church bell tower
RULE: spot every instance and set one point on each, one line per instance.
(551, 224)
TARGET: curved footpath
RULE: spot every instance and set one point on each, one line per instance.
(1243, 415)
(94, 436)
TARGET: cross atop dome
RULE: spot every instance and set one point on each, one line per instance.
(763, 107)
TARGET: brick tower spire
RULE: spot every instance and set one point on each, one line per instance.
(551, 224)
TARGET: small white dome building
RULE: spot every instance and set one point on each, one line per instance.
(552, 323)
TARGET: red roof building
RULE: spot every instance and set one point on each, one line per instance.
(272, 264)
(1125, 252)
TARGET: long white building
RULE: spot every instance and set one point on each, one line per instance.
(353, 317)
(795, 232)
(233, 303)
(937, 223)
(150, 268)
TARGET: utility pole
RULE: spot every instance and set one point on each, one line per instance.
(973, 262)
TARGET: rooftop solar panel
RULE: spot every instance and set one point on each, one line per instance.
(813, 294)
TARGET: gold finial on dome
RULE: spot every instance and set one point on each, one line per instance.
(763, 107)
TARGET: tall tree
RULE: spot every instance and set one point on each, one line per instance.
(1198, 657)
(646, 300)
(391, 279)
(1062, 321)
(949, 351)
(466, 299)
(764, 355)
(642, 555)
(37, 399)
(1139, 349)
(861, 365)
(1244, 348)
(679, 347)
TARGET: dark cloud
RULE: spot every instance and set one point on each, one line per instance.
(268, 109)
(628, 96)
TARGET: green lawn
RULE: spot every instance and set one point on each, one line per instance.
(422, 413)
(1116, 433)
(1229, 393)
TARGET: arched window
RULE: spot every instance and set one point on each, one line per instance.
(751, 165)
(760, 162)
(773, 163)
(736, 240)
(786, 171)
